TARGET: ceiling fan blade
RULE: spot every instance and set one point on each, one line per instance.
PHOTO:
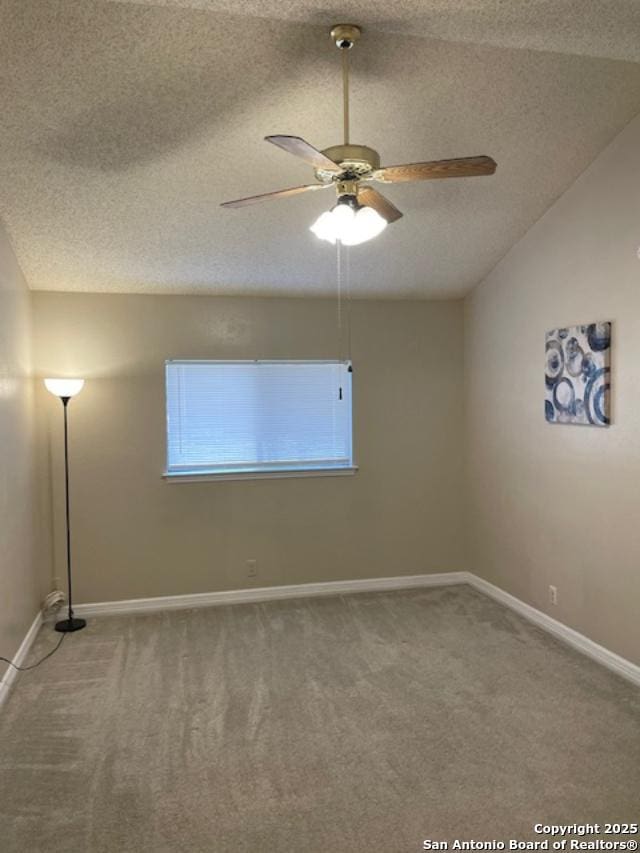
(299, 148)
(253, 199)
(372, 198)
(463, 167)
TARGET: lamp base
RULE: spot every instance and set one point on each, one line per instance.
(67, 625)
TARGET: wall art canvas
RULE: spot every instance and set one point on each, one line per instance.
(578, 375)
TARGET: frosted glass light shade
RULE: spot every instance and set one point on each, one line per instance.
(348, 225)
(324, 229)
(367, 224)
(64, 387)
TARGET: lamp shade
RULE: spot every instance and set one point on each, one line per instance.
(64, 387)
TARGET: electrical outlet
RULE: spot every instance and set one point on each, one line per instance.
(553, 594)
(252, 568)
(54, 601)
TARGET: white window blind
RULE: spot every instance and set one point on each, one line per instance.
(226, 417)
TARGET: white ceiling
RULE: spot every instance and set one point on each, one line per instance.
(125, 124)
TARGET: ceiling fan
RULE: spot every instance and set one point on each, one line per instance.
(361, 211)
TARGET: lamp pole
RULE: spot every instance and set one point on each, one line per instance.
(71, 623)
(65, 389)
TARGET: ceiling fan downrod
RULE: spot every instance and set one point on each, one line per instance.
(345, 36)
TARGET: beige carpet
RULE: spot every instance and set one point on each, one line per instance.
(356, 723)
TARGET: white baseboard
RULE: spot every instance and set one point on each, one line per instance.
(611, 660)
(578, 641)
(11, 674)
(267, 593)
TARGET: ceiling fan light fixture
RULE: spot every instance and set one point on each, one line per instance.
(349, 223)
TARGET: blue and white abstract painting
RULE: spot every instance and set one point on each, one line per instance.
(578, 375)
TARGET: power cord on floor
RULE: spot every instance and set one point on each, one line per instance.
(42, 660)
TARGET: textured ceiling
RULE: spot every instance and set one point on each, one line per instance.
(126, 124)
(605, 28)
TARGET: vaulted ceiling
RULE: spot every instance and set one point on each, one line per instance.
(126, 123)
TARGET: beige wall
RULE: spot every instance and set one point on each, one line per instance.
(553, 504)
(20, 580)
(136, 535)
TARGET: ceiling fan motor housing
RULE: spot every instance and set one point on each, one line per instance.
(356, 161)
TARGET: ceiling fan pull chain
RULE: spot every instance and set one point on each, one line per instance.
(348, 294)
(339, 285)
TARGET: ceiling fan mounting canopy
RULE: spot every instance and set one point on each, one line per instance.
(345, 35)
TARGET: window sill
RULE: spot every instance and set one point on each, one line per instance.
(260, 475)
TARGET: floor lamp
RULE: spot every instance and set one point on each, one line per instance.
(65, 389)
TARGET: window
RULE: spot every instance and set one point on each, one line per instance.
(258, 417)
